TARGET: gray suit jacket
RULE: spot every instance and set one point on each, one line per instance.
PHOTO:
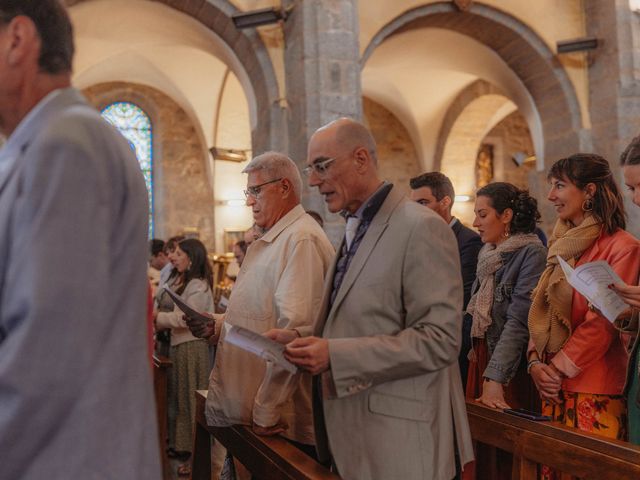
(394, 335)
(76, 397)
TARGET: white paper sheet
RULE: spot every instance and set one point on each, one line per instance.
(259, 345)
(592, 280)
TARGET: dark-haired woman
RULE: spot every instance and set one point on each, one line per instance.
(509, 266)
(576, 357)
(630, 293)
(192, 279)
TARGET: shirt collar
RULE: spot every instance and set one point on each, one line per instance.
(453, 221)
(370, 207)
(24, 131)
(290, 217)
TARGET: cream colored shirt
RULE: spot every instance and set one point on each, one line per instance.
(279, 286)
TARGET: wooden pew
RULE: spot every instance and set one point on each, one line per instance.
(267, 458)
(569, 450)
(160, 381)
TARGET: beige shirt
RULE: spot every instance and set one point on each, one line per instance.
(279, 286)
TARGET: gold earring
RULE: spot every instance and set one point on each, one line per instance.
(587, 205)
(507, 231)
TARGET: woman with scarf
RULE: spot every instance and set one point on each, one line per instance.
(509, 266)
(576, 357)
(630, 161)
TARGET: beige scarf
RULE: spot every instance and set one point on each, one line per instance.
(489, 262)
(550, 313)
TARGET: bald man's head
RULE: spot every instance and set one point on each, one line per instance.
(349, 135)
(342, 164)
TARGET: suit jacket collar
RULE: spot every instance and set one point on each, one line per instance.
(456, 226)
(34, 122)
(378, 226)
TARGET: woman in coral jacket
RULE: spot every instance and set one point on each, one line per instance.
(576, 357)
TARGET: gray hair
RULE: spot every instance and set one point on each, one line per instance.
(277, 165)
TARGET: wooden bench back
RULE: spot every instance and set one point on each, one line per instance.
(267, 458)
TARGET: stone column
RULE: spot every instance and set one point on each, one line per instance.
(614, 84)
(322, 73)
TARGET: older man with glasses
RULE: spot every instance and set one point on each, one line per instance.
(388, 401)
(280, 286)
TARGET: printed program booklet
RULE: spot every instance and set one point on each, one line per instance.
(592, 280)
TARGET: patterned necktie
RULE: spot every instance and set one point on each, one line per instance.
(351, 229)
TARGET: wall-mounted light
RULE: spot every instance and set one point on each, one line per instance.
(577, 45)
(521, 158)
(257, 18)
(228, 154)
(463, 198)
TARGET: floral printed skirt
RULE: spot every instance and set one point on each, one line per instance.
(604, 415)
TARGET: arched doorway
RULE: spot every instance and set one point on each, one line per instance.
(421, 61)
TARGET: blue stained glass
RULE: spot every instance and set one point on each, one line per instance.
(135, 126)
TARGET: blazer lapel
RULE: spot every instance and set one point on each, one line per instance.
(375, 230)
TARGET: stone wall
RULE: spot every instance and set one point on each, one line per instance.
(183, 196)
(397, 156)
(513, 135)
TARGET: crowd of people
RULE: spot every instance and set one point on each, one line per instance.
(388, 333)
(527, 338)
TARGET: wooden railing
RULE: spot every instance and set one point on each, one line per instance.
(568, 450)
(584, 455)
(267, 458)
(160, 378)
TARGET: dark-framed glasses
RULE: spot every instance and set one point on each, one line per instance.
(320, 167)
(254, 191)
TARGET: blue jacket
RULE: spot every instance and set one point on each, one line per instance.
(508, 335)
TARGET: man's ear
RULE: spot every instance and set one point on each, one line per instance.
(446, 201)
(286, 186)
(362, 158)
(23, 40)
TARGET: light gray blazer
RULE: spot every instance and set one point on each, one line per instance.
(394, 335)
(76, 398)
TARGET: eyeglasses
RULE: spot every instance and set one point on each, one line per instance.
(254, 191)
(319, 167)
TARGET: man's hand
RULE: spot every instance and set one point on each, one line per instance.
(282, 335)
(629, 293)
(199, 328)
(548, 382)
(309, 353)
(276, 429)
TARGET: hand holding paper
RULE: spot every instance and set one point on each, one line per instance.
(258, 345)
(592, 280)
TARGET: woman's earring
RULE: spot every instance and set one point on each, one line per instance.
(587, 205)
(507, 231)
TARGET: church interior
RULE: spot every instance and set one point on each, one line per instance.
(482, 91)
(479, 92)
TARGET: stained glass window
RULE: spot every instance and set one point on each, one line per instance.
(135, 126)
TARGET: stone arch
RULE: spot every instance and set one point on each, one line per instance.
(251, 63)
(526, 54)
(492, 115)
(180, 158)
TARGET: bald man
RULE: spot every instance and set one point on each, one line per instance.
(388, 401)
